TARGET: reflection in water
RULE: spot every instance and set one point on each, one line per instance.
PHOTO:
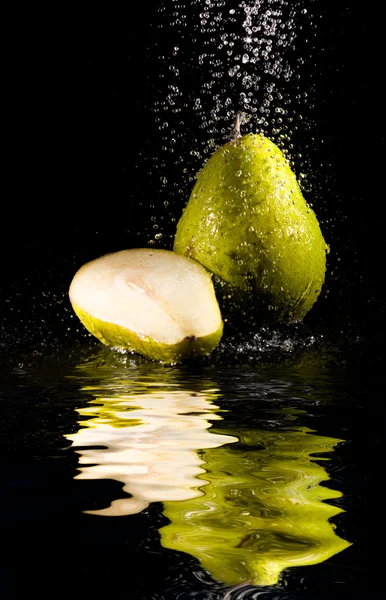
(262, 511)
(149, 442)
(245, 510)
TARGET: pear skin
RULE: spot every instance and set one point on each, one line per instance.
(248, 223)
(154, 302)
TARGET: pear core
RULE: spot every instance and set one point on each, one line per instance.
(154, 302)
(248, 223)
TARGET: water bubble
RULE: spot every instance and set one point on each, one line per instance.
(233, 70)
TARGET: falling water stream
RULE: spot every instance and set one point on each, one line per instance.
(230, 57)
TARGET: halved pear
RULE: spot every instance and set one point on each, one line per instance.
(154, 302)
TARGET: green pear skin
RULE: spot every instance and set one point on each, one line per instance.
(119, 337)
(248, 223)
(153, 302)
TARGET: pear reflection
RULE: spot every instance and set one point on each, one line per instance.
(245, 510)
(262, 511)
(148, 441)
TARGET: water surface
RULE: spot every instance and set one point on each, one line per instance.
(249, 474)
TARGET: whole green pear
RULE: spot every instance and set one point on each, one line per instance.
(248, 223)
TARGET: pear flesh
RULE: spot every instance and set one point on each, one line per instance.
(248, 223)
(154, 302)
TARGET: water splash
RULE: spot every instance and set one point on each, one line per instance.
(270, 344)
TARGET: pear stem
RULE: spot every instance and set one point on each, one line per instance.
(236, 133)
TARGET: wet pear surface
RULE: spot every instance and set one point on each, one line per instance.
(248, 223)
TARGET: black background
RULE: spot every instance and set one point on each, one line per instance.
(84, 154)
(82, 168)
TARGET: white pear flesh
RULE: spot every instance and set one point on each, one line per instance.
(155, 302)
